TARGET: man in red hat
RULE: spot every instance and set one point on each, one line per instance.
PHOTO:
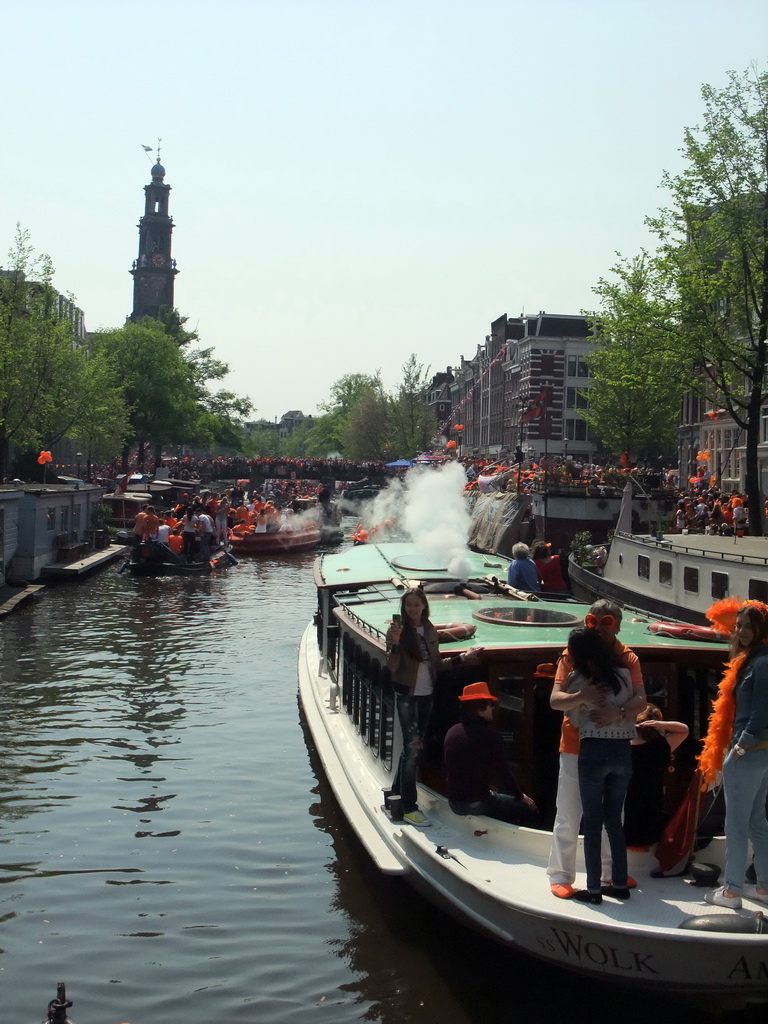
(473, 753)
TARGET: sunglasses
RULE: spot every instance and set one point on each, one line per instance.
(605, 621)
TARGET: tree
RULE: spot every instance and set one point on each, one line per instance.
(714, 251)
(346, 393)
(635, 394)
(157, 383)
(49, 382)
(412, 422)
(367, 429)
(706, 293)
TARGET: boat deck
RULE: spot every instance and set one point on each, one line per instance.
(730, 548)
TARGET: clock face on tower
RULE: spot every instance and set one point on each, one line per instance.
(158, 260)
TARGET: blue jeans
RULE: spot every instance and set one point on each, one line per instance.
(745, 782)
(605, 767)
(413, 713)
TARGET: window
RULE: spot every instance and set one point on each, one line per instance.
(665, 574)
(577, 367)
(50, 519)
(758, 590)
(690, 580)
(64, 519)
(719, 585)
(643, 567)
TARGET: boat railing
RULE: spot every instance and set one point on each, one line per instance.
(366, 626)
(668, 544)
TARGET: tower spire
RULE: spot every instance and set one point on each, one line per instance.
(154, 270)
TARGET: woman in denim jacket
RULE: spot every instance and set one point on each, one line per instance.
(744, 694)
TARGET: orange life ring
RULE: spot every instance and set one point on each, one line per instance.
(683, 631)
(455, 631)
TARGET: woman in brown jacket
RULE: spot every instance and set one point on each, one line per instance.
(414, 659)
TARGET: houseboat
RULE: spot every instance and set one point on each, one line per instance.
(674, 576)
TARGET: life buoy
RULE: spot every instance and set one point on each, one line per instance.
(683, 631)
(455, 631)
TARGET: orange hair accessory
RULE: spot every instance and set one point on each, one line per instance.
(722, 614)
(592, 622)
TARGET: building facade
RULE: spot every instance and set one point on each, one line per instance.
(526, 386)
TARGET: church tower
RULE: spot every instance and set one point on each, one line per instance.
(154, 270)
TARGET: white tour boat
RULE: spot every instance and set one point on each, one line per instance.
(489, 873)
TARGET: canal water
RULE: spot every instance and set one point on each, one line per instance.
(170, 849)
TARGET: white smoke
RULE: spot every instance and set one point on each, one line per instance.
(429, 507)
(436, 516)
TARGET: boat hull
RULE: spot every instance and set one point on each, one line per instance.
(148, 560)
(275, 543)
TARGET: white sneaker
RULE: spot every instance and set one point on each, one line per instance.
(750, 891)
(718, 899)
(415, 817)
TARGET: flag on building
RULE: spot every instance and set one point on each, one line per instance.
(536, 408)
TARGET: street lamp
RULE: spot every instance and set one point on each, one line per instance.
(567, 441)
(78, 456)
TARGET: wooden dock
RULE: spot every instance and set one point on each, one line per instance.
(11, 597)
(81, 566)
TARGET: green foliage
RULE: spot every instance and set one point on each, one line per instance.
(637, 380)
(412, 422)
(581, 549)
(49, 384)
(699, 305)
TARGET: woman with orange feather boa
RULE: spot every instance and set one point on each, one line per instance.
(737, 743)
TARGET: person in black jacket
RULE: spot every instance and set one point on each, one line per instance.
(473, 756)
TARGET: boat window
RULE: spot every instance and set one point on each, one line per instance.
(690, 580)
(50, 519)
(719, 585)
(527, 615)
(643, 567)
(758, 590)
(665, 574)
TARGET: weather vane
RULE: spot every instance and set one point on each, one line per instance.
(148, 150)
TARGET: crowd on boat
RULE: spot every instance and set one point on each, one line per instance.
(711, 512)
(615, 748)
(202, 523)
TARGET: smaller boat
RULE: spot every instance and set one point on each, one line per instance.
(276, 542)
(153, 558)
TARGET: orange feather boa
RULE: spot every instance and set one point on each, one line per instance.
(721, 722)
(722, 615)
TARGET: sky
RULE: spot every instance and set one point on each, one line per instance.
(353, 181)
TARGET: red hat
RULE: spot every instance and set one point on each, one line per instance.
(477, 691)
